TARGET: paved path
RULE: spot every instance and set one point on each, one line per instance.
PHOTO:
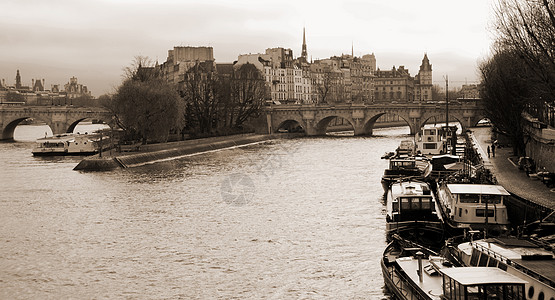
(508, 175)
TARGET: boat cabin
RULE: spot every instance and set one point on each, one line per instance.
(434, 140)
(475, 203)
(411, 200)
(481, 283)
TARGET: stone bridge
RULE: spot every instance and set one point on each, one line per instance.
(314, 119)
(61, 119)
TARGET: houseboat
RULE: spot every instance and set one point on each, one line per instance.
(415, 273)
(473, 207)
(412, 213)
(523, 258)
(405, 167)
(71, 144)
(434, 140)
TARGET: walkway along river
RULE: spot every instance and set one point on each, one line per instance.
(300, 218)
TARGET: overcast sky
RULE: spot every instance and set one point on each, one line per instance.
(95, 40)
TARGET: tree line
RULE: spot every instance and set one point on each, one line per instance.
(519, 75)
(202, 103)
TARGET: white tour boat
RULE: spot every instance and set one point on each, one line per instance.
(71, 144)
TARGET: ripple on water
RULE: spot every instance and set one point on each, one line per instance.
(313, 228)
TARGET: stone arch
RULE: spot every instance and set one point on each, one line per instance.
(9, 129)
(452, 118)
(291, 125)
(368, 127)
(321, 126)
(73, 121)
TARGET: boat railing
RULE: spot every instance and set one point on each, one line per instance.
(514, 264)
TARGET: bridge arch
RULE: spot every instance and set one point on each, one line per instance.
(76, 122)
(9, 128)
(322, 125)
(290, 125)
(441, 119)
(369, 123)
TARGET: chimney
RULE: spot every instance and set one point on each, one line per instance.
(419, 256)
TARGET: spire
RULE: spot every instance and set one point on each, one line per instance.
(352, 49)
(303, 53)
(17, 80)
(425, 66)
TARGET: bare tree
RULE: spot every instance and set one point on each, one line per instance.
(527, 27)
(324, 84)
(145, 106)
(248, 93)
(202, 91)
(506, 91)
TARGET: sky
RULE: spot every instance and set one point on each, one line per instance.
(95, 40)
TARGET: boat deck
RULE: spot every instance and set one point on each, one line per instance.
(432, 285)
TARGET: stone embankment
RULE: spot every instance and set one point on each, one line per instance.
(166, 151)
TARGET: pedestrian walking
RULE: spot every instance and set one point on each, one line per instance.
(493, 150)
(488, 151)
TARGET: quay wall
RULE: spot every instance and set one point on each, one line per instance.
(541, 144)
(158, 152)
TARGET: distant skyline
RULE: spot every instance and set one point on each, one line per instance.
(95, 40)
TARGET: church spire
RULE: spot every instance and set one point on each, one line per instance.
(17, 80)
(304, 54)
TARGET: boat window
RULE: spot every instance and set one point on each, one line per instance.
(469, 198)
(483, 260)
(405, 203)
(416, 203)
(429, 131)
(474, 257)
(426, 203)
(494, 199)
(482, 212)
(395, 206)
(474, 293)
(492, 262)
(447, 287)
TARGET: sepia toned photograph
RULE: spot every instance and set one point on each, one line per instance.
(387, 150)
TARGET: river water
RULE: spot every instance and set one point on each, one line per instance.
(287, 219)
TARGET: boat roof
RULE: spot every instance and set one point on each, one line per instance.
(410, 188)
(481, 275)
(67, 137)
(524, 253)
(491, 189)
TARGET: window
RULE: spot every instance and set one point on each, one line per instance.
(482, 212)
(491, 199)
(429, 145)
(469, 198)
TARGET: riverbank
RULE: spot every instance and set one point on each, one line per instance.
(164, 151)
(532, 200)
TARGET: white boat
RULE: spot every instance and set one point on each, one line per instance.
(412, 213)
(520, 257)
(434, 140)
(71, 144)
(414, 273)
(474, 207)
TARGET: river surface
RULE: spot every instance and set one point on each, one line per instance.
(287, 219)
